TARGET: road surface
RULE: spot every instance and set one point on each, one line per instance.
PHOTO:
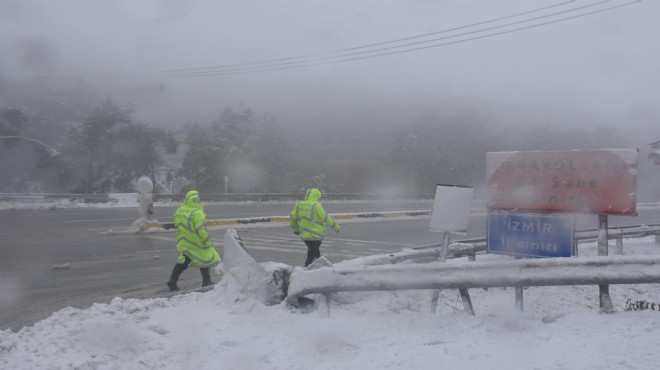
(54, 258)
(76, 257)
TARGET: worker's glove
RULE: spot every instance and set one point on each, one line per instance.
(296, 232)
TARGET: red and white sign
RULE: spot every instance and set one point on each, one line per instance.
(579, 181)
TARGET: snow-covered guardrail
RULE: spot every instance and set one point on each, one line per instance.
(478, 274)
(472, 247)
(219, 197)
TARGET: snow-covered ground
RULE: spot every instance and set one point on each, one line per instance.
(560, 328)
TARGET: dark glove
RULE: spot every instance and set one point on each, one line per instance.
(296, 232)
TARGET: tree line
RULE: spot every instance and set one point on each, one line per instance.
(61, 141)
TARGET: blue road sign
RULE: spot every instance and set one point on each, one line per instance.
(531, 234)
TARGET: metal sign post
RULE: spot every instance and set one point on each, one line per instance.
(442, 257)
(465, 295)
(446, 236)
(451, 213)
(603, 289)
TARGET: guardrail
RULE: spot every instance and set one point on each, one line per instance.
(209, 197)
(483, 274)
(382, 272)
(472, 247)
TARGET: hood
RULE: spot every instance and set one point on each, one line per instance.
(313, 194)
(192, 199)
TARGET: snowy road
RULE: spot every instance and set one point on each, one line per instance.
(80, 256)
(68, 257)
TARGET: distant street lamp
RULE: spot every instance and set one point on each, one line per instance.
(50, 150)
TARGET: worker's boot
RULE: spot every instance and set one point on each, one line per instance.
(206, 276)
(176, 272)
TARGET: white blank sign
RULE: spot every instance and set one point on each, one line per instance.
(451, 208)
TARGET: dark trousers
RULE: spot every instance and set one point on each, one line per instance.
(180, 267)
(313, 250)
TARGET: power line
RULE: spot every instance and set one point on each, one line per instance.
(386, 51)
(269, 61)
(368, 52)
(404, 48)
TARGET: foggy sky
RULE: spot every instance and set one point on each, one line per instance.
(600, 69)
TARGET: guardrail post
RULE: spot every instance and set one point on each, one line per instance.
(519, 295)
(327, 303)
(618, 250)
(434, 300)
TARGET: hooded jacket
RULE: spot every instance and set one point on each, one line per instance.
(193, 240)
(309, 218)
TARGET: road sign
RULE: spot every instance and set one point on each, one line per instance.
(531, 235)
(578, 181)
(451, 208)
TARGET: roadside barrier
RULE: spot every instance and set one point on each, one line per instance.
(482, 274)
(472, 247)
(382, 272)
(212, 197)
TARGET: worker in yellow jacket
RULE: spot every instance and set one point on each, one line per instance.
(193, 241)
(309, 219)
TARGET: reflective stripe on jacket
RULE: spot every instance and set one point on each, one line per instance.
(309, 218)
(193, 240)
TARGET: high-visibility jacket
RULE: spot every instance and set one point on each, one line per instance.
(193, 240)
(309, 218)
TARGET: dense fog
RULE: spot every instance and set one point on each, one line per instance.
(350, 96)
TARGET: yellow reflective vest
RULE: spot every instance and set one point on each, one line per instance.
(309, 218)
(193, 240)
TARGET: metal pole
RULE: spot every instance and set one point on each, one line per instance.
(434, 300)
(327, 303)
(603, 289)
(442, 257)
(467, 302)
(445, 246)
(519, 295)
(618, 250)
(519, 298)
(465, 296)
